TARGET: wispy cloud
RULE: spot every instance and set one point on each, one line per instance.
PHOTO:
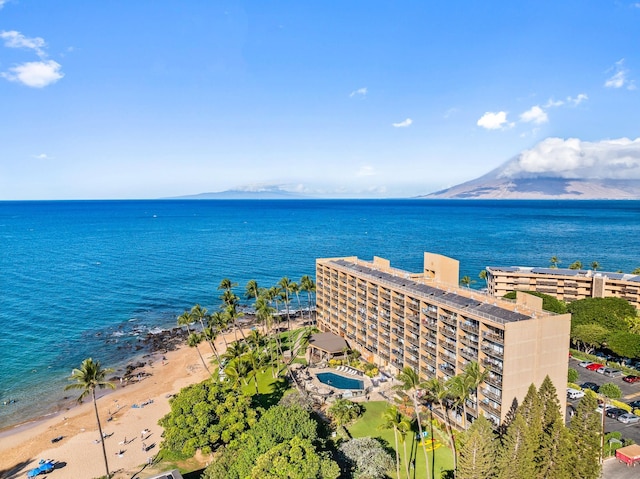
(535, 115)
(366, 170)
(493, 120)
(578, 99)
(403, 124)
(359, 91)
(619, 78)
(13, 39)
(43, 156)
(35, 74)
(450, 112)
(2, 2)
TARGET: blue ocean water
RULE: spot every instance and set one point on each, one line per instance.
(83, 278)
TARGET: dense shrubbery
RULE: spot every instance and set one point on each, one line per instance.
(279, 425)
(205, 416)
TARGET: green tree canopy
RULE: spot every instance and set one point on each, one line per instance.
(610, 390)
(584, 433)
(477, 455)
(612, 313)
(204, 416)
(590, 336)
(624, 344)
(295, 459)
(549, 303)
(278, 425)
(367, 457)
(344, 411)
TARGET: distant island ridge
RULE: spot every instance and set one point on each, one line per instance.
(555, 168)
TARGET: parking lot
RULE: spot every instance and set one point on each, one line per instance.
(630, 392)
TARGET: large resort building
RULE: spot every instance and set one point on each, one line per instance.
(427, 322)
(565, 284)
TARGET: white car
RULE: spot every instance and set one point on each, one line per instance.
(574, 393)
(601, 369)
(628, 418)
(584, 364)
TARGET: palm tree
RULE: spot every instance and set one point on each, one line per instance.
(440, 393)
(88, 377)
(411, 383)
(483, 275)
(192, 341)
(636, 271)
(554, 262)
(236, 350)
(237, 371)
(198, 313)
(285, 290)
(466, 281)
(295, 289)
(466, 385)
(576, 265)
(257, 362)
(404, 428)
(391, 420)
(252, 290)
(595, 265)
(232, 314)
(226, 284)
(308, 284)
(219, 321)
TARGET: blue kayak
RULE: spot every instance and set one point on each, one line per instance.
(43, 468)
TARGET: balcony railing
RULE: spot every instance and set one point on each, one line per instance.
(492, 395)
(488, 407)
(469, 327)
(445, 318)
(493, 337)
(496, 353)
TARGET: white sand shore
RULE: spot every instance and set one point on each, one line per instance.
(77, 454)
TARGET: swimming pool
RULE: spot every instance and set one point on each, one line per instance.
(339, 382)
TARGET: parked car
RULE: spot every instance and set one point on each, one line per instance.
(600, 408)
(601, 369)
(615, 412)
(584, 364)
(588, 385)
(594, 366)
(575, 393)
(612, 373)
(631, 379)
(628, 418)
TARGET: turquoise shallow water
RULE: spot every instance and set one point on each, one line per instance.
(86, 278)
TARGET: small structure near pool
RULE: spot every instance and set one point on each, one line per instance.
(325, 346)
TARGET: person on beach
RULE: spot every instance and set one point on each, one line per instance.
(144, 447)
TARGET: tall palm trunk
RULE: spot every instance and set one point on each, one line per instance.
(452, 439)
(395, 436)
(424, 447)
(202, 359)
(104, 450)
(406, 459)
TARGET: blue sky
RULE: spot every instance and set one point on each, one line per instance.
(151, 99)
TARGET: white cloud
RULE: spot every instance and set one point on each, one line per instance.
(450, 112)
(573, 158)
(552, 103)
(493, 121)
(359, 91)
(35, 74)
(366, 170)
(404, 123)
(535, 115)
(43, 156)
(578, 99)
(13, 39)
(619, 78)
(2, 2)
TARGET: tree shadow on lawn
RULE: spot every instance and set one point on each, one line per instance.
(278, 387)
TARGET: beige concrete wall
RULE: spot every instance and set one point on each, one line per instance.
(442, 269)
(528, 300)
(534, 349)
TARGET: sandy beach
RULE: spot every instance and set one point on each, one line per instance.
(133, 408)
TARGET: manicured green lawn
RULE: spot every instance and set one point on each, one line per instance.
(368, 425)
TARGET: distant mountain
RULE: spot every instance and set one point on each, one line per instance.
(261, 193)
(560, 169)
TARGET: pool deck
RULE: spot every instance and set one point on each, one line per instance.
(374, 390)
